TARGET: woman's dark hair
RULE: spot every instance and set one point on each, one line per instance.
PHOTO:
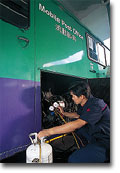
(81, 88)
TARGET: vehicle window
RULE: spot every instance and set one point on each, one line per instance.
(92, 49)
(96, 51)
(101, 54)
(15, 12)
(107, 51)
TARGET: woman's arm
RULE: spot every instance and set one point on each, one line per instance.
(69, 114)
(65, 128)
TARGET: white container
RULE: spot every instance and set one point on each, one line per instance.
(46, 152)
(38, 153)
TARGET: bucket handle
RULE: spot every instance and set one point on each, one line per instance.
(33, 141)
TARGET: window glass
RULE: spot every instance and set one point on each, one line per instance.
(107, 51)
(15, 12)
(96, 52)
(92, 49)
(101, 54)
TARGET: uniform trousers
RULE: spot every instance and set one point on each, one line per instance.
(92, 153)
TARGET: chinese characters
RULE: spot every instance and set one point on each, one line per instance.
(65, 32)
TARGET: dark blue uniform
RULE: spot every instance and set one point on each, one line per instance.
(96, 132)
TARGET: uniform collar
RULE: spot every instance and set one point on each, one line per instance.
(91, 96)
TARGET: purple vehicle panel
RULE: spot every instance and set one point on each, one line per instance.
(20, 109)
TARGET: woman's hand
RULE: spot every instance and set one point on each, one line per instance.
(68, 114)
(61, 110)
(43, 133)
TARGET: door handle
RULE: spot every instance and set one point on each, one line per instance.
(93, 71)
(24, 39)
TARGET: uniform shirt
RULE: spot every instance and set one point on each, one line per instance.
(97, 115)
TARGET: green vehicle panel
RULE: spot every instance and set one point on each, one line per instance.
(53, 41)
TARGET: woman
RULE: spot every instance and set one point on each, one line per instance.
(92, 120)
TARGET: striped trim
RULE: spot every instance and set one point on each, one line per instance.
(104, 107)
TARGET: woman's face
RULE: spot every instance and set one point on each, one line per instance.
(77, 100)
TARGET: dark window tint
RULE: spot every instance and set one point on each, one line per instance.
(15, 12)
(92, 49)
